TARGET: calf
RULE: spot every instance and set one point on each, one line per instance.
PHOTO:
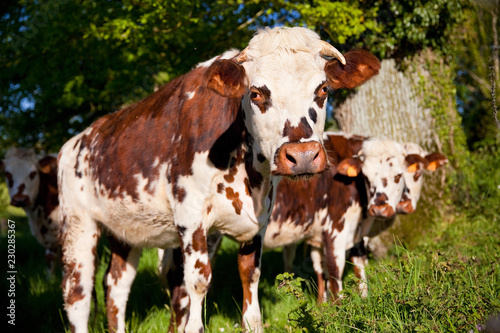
(205, 152)
(364, 180)
(418, 161)
(32, 185)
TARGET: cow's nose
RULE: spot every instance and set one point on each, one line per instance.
(405, 207)
(380, 199)
(20, 200)
(385, 211)
(304, 158)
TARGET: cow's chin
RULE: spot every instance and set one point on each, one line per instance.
(299, 176)
(302, 176)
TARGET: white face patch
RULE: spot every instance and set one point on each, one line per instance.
(282, 103)
(413, 180)
(21, 171)
(383, 167)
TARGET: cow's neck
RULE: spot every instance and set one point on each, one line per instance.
(262, 185)
(47, 197)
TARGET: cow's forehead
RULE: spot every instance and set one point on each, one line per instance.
(383, 166)
(382, 158)
(413, 148)
(284, 55)
(287, 72)
(20, 165)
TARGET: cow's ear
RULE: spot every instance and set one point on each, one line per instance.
(435, 160)
(415, 162)
(360, 66)
(350, 167)
(226, 77)
(48, 164)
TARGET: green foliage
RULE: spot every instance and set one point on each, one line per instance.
(437, 93)
(337, 20)
(410, 26)
(4, 196)
(411, 293)
(65, 62)
(476, 72)
(478, 183)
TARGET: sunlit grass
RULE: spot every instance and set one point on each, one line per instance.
(449, 282)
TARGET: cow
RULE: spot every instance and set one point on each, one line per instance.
(365, 179)
(203, 153)
(32, 185)
(419, 161)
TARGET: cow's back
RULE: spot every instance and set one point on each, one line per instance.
(131, 166)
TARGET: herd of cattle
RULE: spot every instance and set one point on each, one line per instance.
(204, 157)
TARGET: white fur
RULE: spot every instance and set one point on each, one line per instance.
(20, 163)
(413, 188)
(383, 159)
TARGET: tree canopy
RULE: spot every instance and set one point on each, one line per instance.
(64, 63)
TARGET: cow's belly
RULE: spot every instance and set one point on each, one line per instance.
(140, 224)
(289, 232)
(282, 234)
(241, 228)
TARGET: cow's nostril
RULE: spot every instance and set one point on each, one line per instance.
(300, 158)
(291, 159)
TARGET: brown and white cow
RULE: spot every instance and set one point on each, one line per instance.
(32, 184)
(205, 152)
(365, 180)
(419, 161)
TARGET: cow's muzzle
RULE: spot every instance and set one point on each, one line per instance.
(383, 210)
(20, 200)
(300, 159)
(405, 207)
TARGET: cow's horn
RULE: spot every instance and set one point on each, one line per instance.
(328, 50)
(242, 57)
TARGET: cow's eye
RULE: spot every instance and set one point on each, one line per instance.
(397, 178)
(323, 91)
(255, 95)
(32, 174)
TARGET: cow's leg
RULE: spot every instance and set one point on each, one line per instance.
(289, 256)
(359, 257)
(179, 299)
(79, 238)
(118, 281)
(249, 256)
(197, 273)
(317, 260)
(51, 259)
(334, 249)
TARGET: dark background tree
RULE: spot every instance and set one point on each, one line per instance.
(478, 68)
(64, 63)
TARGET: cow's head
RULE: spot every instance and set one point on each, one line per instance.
(22, 173)
(283, 78)
(382, 163)
(417, 161)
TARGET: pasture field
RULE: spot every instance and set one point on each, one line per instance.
(449, 282)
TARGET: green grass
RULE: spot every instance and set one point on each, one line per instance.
(449, 282)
